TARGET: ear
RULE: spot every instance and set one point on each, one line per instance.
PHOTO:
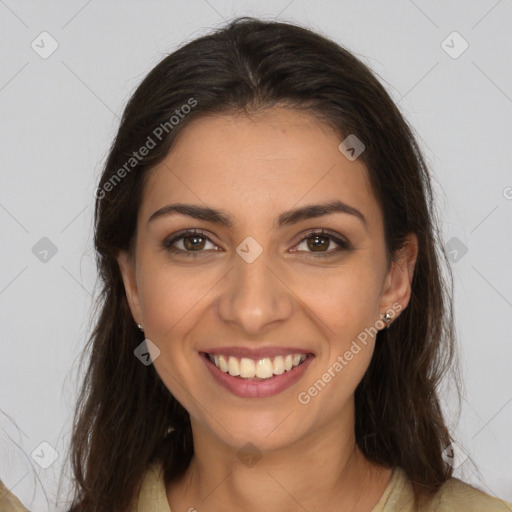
(127, 267)
(397, 288)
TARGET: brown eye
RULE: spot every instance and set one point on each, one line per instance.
(188, 242)
(319, 243)
(194, 242)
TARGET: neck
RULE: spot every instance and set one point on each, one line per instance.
(322, 471)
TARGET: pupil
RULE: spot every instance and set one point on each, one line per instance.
(315, 244)
(195, 244)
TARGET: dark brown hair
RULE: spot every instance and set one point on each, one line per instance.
(124, 411)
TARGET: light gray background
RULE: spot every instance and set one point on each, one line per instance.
(60, 114)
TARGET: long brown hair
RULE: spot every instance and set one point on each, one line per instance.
(125, 413)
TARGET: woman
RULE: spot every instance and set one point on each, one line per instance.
(274, 321)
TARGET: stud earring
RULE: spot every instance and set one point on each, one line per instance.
(387, 318)
(140, 327)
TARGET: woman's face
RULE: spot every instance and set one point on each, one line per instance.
(254, 285)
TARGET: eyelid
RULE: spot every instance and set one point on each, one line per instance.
(169, 241)
(340, 240)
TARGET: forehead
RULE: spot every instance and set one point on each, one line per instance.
(265, 163)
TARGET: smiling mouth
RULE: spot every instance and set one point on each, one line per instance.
(260, 369)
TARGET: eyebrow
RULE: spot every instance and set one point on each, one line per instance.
(286, 218)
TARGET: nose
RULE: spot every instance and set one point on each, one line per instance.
(256, 295)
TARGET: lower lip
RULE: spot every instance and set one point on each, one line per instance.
(257, 388)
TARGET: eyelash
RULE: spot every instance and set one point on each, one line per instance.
(343, 244)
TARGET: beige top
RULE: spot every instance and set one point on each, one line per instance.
(454, 496)
(9, 502)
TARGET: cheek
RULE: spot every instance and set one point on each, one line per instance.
(171, 299)
(345, 299)
(169, 294)
(350, 333)
(347, 305)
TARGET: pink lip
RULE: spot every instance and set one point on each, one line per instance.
(256, 388)
(256, 353)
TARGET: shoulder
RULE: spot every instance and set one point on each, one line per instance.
(453, 496)
(9, 502)
(456, 495)
(151, 494)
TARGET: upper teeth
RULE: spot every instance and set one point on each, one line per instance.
(261, 368)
